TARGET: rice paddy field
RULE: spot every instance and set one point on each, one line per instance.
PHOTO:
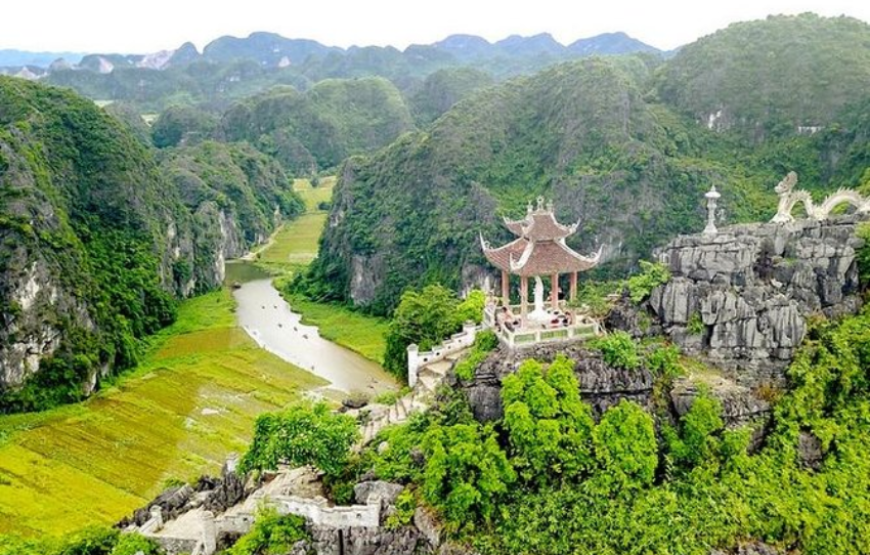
(192, 401)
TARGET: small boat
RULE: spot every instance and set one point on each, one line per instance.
(280, 325)
(237, 285)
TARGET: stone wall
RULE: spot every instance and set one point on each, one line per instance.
(740, 299)
(456, 343)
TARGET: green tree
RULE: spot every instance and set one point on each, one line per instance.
(549, 428)
(618, 350)
(467, 473)
(696, 441)
(424, 318)
(272, 534)
(302, 434)
(625, 448)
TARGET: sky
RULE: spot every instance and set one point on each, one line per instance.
(152, 25)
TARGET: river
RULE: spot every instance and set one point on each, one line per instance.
(268, 319)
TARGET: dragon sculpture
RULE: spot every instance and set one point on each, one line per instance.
(788, 198)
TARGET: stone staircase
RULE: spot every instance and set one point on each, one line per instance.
(420, 397)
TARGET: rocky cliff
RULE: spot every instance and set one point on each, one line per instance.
(98, 239)
(601, 385)
(743, 299)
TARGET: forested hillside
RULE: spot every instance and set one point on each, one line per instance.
(771, 77)
(96, 244)
(321, 127)
(617, 143)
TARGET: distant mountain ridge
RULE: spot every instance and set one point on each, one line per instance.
(273, 50)
(19, 58)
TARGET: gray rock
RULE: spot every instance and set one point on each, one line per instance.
(405, 540)
(752, 287)
(601, 386)
(810, 450)
(369, 493)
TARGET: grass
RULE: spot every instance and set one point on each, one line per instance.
(190, 403)
(313, 196)
(296, 243)
(354, 330)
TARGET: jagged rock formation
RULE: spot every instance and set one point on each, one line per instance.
(601, 385)
(741, 299)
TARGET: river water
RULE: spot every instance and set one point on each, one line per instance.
(268, 319)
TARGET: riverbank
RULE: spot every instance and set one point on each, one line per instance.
(292, 248)
(192, 401)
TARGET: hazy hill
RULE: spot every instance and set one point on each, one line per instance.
(319, 128)
(11, 57)
(232, 67)
(268, 49)
(776, 76)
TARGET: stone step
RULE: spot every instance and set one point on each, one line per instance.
(428, 382)
(400, 409)
(455, 356)
(441, 367)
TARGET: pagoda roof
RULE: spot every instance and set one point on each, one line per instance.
(539, 248)
(540, 224)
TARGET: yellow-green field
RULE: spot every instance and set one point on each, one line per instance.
(295, 244)
(191, 402)
(314, 195)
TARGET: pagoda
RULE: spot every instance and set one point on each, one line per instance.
(538, 251)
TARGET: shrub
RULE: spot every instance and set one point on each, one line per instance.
(272, 534)
(618, 349)
(467, 474)
(135, 544)
(549, 428)
(484, 342)
(406, 505)
(625, 448)
(652, 275)
(664, 361)
(695, 325)
(303, 434)
(424, 318)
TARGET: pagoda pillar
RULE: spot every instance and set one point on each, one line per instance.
(524, 295)
(573, 290)
(505, 288)
(554, 291)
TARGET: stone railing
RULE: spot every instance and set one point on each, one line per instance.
(456, 343)
(524, 337)
(583, 328)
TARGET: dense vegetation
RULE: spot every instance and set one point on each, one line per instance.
(548, 480)
(96, 244)
(321, 127)
(425, 318)
(769, 77)
(230, 68)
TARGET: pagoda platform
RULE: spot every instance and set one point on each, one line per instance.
(564, 324)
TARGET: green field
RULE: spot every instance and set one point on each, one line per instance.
(349, 328)
(313, 196)
(191, 402)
